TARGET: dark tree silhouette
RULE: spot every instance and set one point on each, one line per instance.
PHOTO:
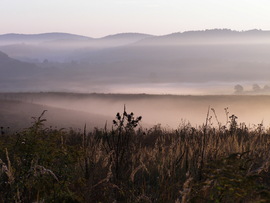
(266, 88)
(256, 88)
(238, 89)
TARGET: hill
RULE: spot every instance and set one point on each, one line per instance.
(215, 60)
(13, 38)
(11, 67)
(61, 47)
(214, 36)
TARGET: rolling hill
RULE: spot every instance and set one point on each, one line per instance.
(13, 38)
(114, 63)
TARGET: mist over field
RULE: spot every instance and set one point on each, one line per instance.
(134, 101)
(140, 71)
(195, 62)
(95, 110)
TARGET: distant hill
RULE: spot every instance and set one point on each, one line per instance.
(134, 36)
(188, 37)
(19, 76)
(214, 36)
(7, 39)
(61, 46)
(10, 66)
(15, 73)
(95, 65)
(12, 38)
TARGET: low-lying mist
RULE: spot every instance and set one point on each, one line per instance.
(189, 63)
(128, 70)
(94, 110)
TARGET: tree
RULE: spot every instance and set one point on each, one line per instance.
(266, 88)
(256, 88)
(238, 89)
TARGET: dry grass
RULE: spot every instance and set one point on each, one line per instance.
(228, 163)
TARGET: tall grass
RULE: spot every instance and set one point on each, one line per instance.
(228, 163)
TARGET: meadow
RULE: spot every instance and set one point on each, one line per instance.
(74, 109)
(220, 160)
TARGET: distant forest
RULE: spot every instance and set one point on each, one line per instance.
(256, 89)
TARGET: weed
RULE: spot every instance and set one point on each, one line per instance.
(229, 163)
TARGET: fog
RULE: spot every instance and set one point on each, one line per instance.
(74, 110)
(197, 62)
(124, 68)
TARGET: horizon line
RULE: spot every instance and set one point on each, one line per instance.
(180, 32)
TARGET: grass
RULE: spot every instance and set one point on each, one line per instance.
(227, 163)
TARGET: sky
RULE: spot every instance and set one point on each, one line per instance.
(98, 18)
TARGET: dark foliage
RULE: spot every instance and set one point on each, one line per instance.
(128, 164)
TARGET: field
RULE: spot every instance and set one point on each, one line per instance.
(74, 110)
(214, 158)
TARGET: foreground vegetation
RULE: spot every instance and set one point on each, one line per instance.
(227, 163)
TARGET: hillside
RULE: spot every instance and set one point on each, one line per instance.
(13, 38)
(214, 36)
(212, 60)
(11, 67)
(61, 47)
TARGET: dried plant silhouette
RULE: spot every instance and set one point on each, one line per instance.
(227, 163)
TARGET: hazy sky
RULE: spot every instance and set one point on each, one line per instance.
(98, 18)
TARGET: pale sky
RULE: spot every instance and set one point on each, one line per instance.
(97, 18)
